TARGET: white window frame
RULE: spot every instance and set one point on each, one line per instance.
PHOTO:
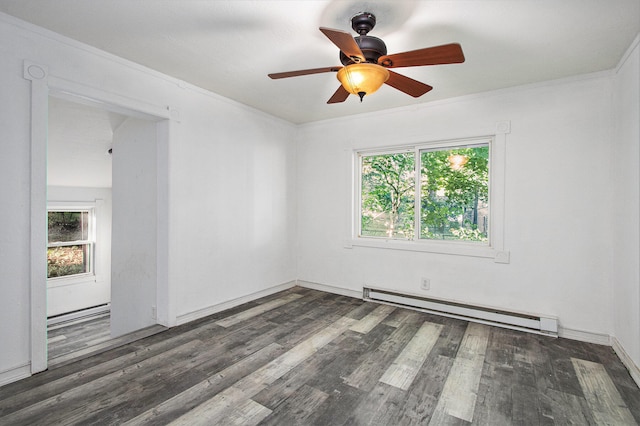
(86, 276)
(495, 246)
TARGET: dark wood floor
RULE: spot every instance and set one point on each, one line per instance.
(303, 357)
(76, 337)
(68, 342)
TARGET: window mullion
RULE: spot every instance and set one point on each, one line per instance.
(70, 243)
(357, 226)
(417, 202)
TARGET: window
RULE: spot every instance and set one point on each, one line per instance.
(70, 242)
(388, 195)
(425, 194)
(454, 193)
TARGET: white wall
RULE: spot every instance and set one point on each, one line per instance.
(66, 296)
(14, 210)
(231, 221)
(626, 187)
(233, 204)
(558, 195)
(135, 227)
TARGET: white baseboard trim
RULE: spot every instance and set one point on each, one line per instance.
(331, 289)
(201, 313)
(567, 333)
(634, 370)
(78, 316)
(584, 336)
(14, 374)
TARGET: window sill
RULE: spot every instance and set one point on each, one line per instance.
(440, 247)
(71, 280)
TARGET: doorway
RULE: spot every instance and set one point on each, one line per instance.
(156, 121)
(79, 221)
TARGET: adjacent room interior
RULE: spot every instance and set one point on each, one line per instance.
(80, 143)
(81, 140)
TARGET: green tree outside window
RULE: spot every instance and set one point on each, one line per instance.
(388, 195)
(454, 194)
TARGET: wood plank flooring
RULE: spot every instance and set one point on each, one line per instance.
(304, 357)
(65, 339)
(68, 343)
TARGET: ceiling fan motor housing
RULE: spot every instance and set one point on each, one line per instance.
(371, 47)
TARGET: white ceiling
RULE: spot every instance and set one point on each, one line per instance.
(229, 47)
(79, 139)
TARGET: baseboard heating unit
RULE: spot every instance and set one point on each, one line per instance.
(481, 314)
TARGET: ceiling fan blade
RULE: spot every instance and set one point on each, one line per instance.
(340, 95)
(437, 55)
(303, 72)
(345, 43)
(407, 85)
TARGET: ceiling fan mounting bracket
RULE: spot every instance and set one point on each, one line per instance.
(363, 22)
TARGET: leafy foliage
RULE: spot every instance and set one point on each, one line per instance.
(68, 260)
(454, 194)
(67, 227)
(388, 193)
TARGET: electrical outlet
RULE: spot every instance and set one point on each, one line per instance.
(425, 284)
(154, 313)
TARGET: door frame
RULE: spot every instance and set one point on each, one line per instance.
(44, 85)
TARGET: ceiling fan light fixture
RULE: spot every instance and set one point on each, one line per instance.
(366, 61)
(362, 79)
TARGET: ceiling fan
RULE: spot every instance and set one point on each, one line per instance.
(366, 63)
